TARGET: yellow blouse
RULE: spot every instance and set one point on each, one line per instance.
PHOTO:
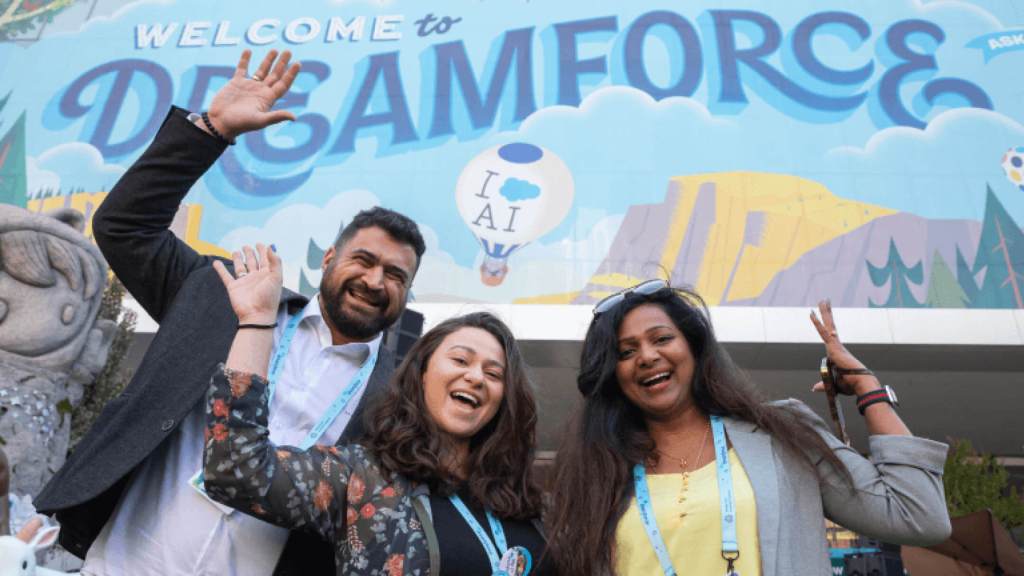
(694, 541)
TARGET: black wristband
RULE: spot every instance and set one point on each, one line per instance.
(258, 326)
(209, 126)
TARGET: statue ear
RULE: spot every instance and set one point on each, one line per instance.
(94, 353)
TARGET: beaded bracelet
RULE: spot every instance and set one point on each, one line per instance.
(209, 126)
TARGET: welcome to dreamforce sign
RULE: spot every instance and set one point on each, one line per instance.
(766, 154)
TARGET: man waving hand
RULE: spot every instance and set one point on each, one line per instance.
(129, 498)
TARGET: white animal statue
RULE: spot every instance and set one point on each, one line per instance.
(18, 553)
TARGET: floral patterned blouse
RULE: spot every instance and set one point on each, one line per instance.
(339, 492)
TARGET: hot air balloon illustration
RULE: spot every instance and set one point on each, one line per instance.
(1013, 165)
(509, 196)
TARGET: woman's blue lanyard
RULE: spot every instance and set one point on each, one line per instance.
(493, 554)
(277, 365)
(727, 505)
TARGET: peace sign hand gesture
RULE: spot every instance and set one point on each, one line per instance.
(851, 384)
(244, 103)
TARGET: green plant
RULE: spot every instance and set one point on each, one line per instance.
(977, 481)
(112, 379)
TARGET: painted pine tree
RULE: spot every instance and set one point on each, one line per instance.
(314, 259)
(899, 276)
(1001, 255)
(943, 289)
(13, 176)
(965, 277)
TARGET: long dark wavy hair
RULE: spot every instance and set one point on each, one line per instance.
(592, 484)
(406, 441)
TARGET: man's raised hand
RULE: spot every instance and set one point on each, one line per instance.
(244, 103)
(255, 287)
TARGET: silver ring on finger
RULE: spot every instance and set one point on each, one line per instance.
(242, 274)
(257, 77)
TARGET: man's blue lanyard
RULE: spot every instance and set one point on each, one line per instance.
(277, 365)
(494, 554)
(727, 505)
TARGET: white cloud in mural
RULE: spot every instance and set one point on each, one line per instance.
(947, 167)
(80, 16)
(955, 8)
(72, 166)
(950, 124)
(40, 180)
(617, 95)
(291, 228)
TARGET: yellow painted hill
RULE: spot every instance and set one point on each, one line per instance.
(186, 223)
(798, 215)
(761, 224)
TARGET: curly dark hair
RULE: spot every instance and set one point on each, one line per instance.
(406, 441)
(608, 435)
(397, 225)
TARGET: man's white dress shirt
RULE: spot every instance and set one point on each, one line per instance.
(162, 525)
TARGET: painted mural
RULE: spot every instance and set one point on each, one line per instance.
(766, 153)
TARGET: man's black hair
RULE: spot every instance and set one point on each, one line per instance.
(398, 226)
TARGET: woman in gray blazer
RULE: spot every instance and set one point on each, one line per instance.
(685, 467)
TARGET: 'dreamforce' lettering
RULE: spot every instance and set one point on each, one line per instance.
(914, 64)
(456, 99)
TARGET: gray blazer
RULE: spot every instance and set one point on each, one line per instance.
(897, 494)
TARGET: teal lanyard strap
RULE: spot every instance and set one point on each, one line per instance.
(342, 400)
(277, 360)
(727, 505)
(727, 501)
(493, 553)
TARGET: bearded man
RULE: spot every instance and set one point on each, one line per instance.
(129, 499)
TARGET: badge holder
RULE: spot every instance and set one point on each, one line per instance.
(515, 562)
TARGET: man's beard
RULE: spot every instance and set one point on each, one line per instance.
(355, 326)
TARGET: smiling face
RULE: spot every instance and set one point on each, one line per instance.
(464, 382)
(365, 283)
(655, 367)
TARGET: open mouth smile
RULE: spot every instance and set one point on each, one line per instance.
(466, 399)
(366, 299)
(655, 379)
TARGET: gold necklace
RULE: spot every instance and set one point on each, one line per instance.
(684, 465)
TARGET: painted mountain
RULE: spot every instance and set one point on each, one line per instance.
(752, 239)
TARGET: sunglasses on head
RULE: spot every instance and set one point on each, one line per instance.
(645, 288)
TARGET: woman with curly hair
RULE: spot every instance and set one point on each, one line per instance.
(442, 482)
(675, 462)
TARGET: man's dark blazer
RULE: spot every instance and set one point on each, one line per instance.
(183, 293)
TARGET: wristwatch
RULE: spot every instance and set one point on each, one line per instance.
(883, 394)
